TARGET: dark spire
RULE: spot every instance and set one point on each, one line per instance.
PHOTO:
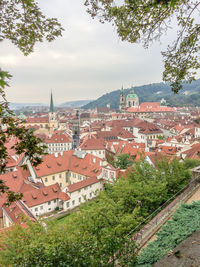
(122, 90)
(51, 104)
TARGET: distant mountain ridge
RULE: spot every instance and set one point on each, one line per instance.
(69, 104)
(189, 95)
(73, 104)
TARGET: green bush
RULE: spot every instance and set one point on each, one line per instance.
(183, 223)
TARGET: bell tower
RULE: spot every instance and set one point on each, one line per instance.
(76, 130)
(122, 103)
(52, 115)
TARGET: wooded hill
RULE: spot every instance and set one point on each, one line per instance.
(189, 95)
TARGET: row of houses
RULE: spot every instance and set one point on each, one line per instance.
(62, 182)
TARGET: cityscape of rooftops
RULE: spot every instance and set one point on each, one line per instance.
(99, 133)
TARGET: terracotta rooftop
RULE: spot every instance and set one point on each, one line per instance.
(82, 184)
(39, 196)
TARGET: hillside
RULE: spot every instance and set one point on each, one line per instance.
(190, 95)
(77, 103)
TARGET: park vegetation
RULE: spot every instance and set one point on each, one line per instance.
(99, 234)
(184, 222)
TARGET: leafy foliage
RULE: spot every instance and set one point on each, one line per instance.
(21, 22)
(123, 161)
(146, 21)
(184, 222)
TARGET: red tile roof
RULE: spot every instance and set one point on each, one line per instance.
(14, 180)
(151, 107)
(148, 128)
(39, 196)
(115, 133)
(168, 150)
(16, 210)
(93, 144)
(82, 184)
(194, 152)
(87, 165)
(38, 120)
(59, 138)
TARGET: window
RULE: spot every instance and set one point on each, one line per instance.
(85, 188)
(54, 201)
(79, 199)
(49, 202)
(60, 184)
(73, 202)
(60, 175)
(90, 194)
(41, 207)
(53, 177)
(79, 190)
(67, 204)
(46, 179)
(36, 209)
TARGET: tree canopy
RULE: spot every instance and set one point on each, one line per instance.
(99, 233)
(145, 21)
(22, 23)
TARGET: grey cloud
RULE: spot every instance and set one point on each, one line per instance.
(87, 62)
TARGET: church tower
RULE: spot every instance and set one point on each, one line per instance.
(122, 103)
(75, 131)
(132, 99)
(52, 115)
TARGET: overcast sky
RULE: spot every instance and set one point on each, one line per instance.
(87, 62)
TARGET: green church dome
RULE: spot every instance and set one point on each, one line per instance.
(22, 116)
(132, 96)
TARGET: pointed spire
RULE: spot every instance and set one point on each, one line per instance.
(122, 90)
(132, 90)
(51, 103)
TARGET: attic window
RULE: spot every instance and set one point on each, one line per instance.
(59, 164)
(48, 166)
(55, 189)
(44, 192)
(84, 167)
(34, 196)
(14, 175)
(76, 165)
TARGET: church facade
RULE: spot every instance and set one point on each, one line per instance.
(130, 101)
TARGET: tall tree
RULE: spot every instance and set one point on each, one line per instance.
(146, 21)
(23, 23)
